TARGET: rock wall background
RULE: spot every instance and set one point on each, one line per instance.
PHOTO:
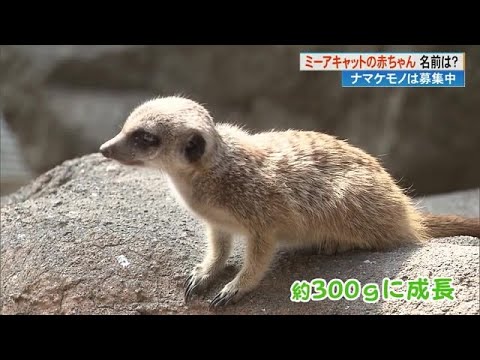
(64, 101)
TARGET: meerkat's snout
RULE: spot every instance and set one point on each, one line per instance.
(120, 149)
(106, 149)
(113, 148)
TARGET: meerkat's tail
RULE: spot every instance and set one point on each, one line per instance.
(450, 225)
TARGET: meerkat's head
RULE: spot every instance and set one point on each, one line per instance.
(168, 133)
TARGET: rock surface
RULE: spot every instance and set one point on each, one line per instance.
(94, 237)
(66, 100)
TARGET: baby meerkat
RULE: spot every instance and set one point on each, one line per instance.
(301, 188)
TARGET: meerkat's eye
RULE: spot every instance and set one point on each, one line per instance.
(144, 139)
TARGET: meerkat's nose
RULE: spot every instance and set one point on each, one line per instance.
(106, 150)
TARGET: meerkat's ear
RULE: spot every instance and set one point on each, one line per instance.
(194, 147)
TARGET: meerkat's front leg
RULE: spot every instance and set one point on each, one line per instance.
(260, 251)
(219, 248)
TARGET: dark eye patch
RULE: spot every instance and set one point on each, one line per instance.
(144, 139)
(195, 147)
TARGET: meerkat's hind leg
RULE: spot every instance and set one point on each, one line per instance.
(218, 251)
(259, 253)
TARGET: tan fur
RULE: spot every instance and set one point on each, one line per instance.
(299, 188)
(450, 225)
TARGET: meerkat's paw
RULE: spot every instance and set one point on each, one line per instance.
(197, 282)
(231, 293)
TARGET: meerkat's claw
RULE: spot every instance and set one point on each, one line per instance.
(229, 294)
(190, 285)
(188, 280)
(223, 298)
(195, 283)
